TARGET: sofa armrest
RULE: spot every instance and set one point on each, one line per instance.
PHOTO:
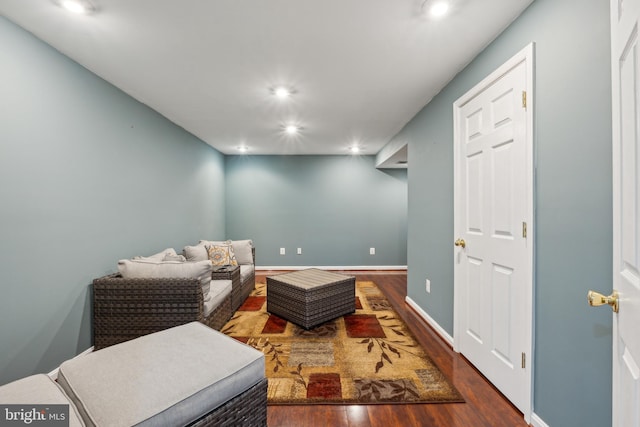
(124, 309)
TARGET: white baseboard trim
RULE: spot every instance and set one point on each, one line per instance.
(331, 267)
(54, 374)
(444, 334)
(536, 421)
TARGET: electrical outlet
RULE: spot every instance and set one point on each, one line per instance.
(428, 286)
(282, 251)
(299, 251)
(372, 251)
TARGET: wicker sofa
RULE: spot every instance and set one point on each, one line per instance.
(125, 307)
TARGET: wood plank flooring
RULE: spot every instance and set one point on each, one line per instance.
(484, 406)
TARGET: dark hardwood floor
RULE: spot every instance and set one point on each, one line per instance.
(484, 406)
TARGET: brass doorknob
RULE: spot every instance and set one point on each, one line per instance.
(460, 242)
(595, 299)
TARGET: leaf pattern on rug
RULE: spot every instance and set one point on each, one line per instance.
(259, 291)
(228, 328)
(268, 348)
(383, 345)
(400, 390)
(240, 321)
(387, 346)
(327, 329)
(298, 374)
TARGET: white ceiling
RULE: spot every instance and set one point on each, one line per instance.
(361, 69)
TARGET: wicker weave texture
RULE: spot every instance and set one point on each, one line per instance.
(309, 306)
(229, 272)
(239, 295)
(239, 290)
(220, 315)
(124, 309)
(248, 409)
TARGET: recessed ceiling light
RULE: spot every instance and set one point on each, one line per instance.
(282, 92)
(243, 148)
(354, 149)
(73, 6)
(291, 129)
(81, 7)
(439, 9)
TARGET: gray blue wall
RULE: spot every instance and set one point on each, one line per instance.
(87, 176)
(573, 202)
(333, 207)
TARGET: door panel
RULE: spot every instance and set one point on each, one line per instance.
(502, 191)
(502, 334)
(475, 195)
(493, 197)
(474, 124)
(629, 153)
(475, 300)
(502, 108)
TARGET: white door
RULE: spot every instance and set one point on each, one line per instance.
(493, 228)
(626, 204)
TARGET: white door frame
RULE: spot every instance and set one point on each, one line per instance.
(525, 55)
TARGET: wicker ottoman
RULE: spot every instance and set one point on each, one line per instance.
(186, 375)
(310, 297)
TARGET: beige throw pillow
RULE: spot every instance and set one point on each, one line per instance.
(157, 257)
(195, 253)
(243, 251)
(170, 257)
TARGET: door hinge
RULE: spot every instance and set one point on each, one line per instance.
(524, 360)
(524, 99)
(524, 230)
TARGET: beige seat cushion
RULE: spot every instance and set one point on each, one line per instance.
(218, 291)
(169, 378)
(246, 271)
(38, 390)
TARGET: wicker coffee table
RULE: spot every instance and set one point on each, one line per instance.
(310, 297)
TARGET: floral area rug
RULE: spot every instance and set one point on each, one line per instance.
(366, 357)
